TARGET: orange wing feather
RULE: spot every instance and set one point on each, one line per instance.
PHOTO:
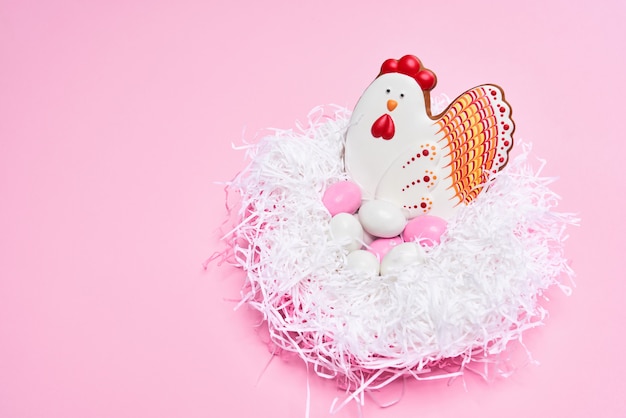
(477, 129)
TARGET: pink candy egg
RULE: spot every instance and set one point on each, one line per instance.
(382, 246)
(425, 229)
(342, 197)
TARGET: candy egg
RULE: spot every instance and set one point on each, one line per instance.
(382, 246)
(400, 256)
(346, 230)
(425, 229)
(381, 218)
(343, 196)
(363, 262)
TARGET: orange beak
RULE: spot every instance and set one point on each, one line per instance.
(391, 104)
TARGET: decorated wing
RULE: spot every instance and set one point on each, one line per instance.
(477, 136)
(471, 139)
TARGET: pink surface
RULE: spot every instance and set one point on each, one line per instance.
(117, 117)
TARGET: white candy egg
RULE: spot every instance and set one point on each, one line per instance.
(381, 218)
(347, 231)
(400, 256)
(364, 262)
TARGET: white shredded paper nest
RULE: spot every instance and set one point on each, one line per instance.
(474, 293)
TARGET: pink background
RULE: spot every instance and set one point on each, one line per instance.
(116, 118)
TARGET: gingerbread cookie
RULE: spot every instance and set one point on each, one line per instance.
(397, 151)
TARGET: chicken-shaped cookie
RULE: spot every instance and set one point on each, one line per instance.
(397, 151)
